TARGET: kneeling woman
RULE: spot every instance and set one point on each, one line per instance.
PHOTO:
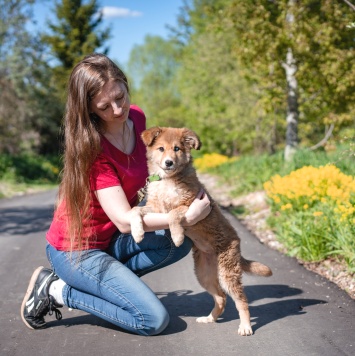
(95, 262)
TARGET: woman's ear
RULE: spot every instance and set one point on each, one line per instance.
(149, 136)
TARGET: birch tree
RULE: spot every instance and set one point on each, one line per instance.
(302, 54)
(290, 66)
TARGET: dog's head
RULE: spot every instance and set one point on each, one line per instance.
(168, 149)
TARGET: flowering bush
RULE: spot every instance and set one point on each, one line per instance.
(211, 160)
(309, 186)
(315, 212)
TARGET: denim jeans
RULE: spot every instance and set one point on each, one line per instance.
(107, 283)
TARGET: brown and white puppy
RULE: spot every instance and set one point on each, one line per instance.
(218, 261)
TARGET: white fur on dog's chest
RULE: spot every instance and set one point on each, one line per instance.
(165, 194)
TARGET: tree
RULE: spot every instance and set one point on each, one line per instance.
(308, 43)
(221, 105)
(75, 34)
(20, 54)
(153, 67)
(219, 101)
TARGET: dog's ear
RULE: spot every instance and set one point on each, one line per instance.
(149, 136)
(191, 139)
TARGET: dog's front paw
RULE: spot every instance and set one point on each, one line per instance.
(205, 319)
(178, 240)
(245, 330)
(137, 232)
(177, 231)
(177, 234)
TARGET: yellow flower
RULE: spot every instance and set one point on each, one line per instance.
(311, 185)
(318, 213)
(286, 206)
(211, 160)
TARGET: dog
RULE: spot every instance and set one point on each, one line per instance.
(216, 246)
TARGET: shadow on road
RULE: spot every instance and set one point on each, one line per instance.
(22, 221)
(184, 303)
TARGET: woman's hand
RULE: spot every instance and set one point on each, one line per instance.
(199, 209)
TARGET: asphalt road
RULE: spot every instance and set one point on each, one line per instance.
(294, 312)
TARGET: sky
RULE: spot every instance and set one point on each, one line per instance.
(130, 21)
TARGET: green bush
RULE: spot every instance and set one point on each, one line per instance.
(28, 168)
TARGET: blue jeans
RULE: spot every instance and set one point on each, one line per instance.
(107, 283)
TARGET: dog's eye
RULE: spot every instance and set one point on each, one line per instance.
(176, 148)
(161, 149)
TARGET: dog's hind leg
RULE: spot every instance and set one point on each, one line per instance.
(206, 272)
(231, 282)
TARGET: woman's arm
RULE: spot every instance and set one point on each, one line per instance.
(115, 204)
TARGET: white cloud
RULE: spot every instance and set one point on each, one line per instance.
(112, 12)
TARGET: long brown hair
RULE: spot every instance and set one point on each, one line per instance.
(82, 140)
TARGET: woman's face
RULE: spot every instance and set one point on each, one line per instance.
(112, 104)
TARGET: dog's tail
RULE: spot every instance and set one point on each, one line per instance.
(256, 268)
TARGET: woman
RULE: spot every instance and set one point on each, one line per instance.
(96, 262)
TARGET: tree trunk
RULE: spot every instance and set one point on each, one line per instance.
(292, 106)
(292, 95)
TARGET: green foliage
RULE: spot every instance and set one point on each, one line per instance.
(32, 88)
(313, 220)
(27, 168)
(304, 235)
(321, 37)
(220, 103)
(343, 243)
(75, 33)
(20, 54)
(231, 77)
(152, 68)
(314, 213)
(249, 172)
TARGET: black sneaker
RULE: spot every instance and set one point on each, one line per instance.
(37, 302)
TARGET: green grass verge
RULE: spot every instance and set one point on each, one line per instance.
(249, 173)
(27, 173)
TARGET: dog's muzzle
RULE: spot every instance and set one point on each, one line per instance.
(169, 163)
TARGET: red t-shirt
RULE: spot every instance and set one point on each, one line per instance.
(111, 168)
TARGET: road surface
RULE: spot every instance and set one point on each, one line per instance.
(294, 312)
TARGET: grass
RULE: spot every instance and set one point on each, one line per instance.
(248, 173)
(27, 173)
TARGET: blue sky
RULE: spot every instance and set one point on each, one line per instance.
(130, 21)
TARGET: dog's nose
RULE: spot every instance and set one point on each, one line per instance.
(169, 163)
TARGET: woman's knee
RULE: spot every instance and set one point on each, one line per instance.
(156, 323)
